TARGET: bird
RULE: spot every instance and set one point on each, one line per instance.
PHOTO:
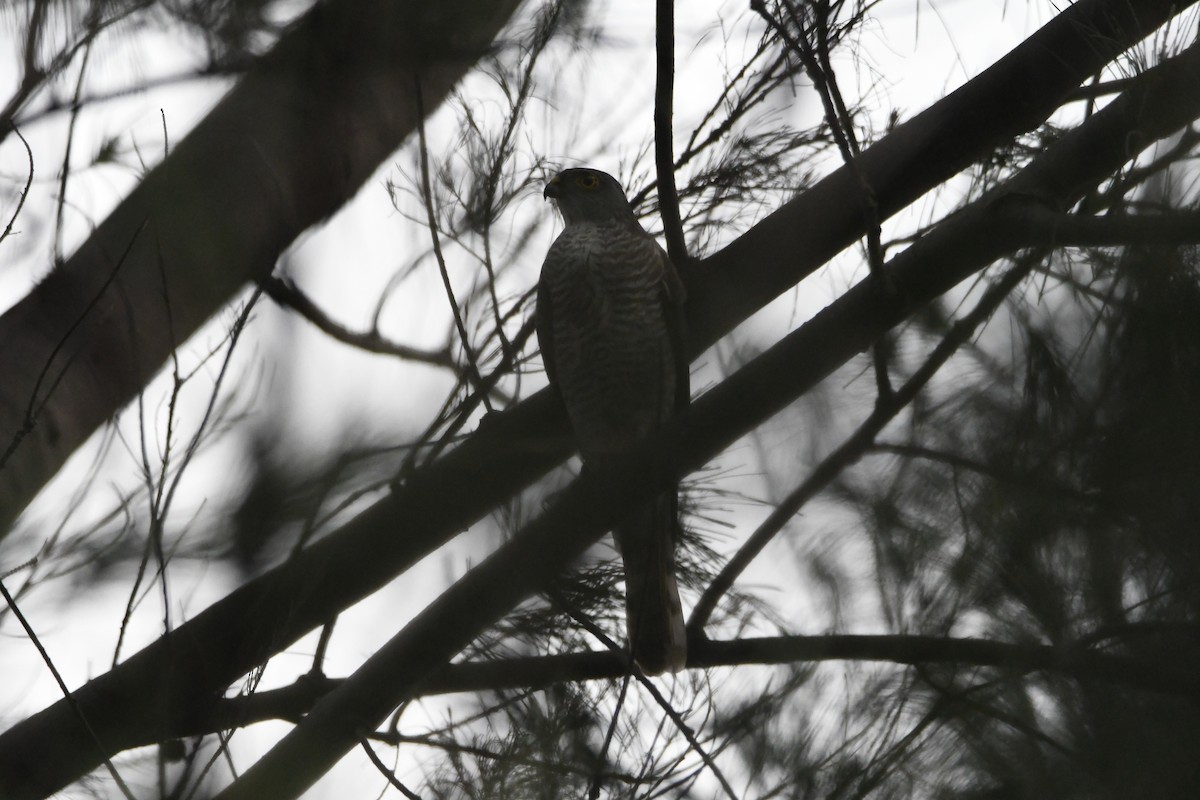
(609, 321)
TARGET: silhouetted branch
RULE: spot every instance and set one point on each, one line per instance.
(96, 744)
(253, 187)
(760, 389)
(386, 772)
(664, 131)
(292, 702)
(464, 338)
(288, 295)
(170, 681)
(855, 445)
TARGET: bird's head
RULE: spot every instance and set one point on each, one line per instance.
(588, 195)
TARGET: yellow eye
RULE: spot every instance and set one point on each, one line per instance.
(587, 181)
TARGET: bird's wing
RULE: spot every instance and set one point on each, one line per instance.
(544, 325)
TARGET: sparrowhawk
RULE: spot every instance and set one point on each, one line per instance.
(609, 322)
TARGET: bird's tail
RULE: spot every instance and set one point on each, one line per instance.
(653, 612)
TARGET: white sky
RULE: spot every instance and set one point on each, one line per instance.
(916, 51)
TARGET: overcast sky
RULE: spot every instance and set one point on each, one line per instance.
(912, 53)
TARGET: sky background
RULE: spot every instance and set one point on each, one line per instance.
(322, 394)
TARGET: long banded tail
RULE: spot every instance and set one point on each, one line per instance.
(653, 612)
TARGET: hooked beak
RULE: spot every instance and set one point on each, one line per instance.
(551, 190)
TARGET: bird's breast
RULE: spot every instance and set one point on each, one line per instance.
(612, 348)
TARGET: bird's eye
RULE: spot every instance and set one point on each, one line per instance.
(588, 181)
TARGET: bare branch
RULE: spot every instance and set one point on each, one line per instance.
(24, 191)
(169, 681)
(83, 720)
(668, 197)
(855, 445)
(288, 295)
(292, 702)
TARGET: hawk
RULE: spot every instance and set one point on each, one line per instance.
(609, 322)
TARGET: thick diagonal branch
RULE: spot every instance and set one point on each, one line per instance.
(287, 147)
(170, 681)
(930, 267)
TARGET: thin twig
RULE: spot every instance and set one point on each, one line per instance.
(34, 409)
(533, 673)
(453, 746)
(318, 665)
(158, 510)
(817, 64)
(598, 777)
(502, 152)
(24, 192)
(62, 685)
(427, 192)
(648, 685)
(472, 401)
(854, 446)
(206, 73)
(287, 294)
(161, 499)
(385, 771)
(34, 77)
(65, 174)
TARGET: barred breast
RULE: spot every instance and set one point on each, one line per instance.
(612, 348)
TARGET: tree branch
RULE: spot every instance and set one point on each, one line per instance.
(292, 702)
(664, 132)
(287, 147)
(853, 448)
(1013, 96)
(8, 229)
(593, 504)
(288, 295)
(174, 680)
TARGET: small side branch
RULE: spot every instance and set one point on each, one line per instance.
(819, 66)
(854, 446)
(427, 192)
(8, 229)
(62, 685)
(288, 295)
